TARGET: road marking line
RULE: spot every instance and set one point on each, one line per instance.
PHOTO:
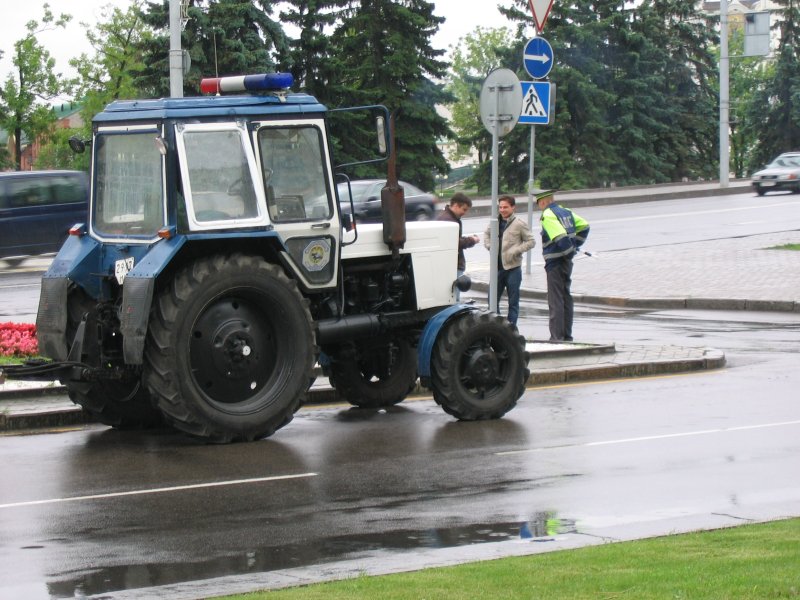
(649, 438)
(18, 286)
(176, 488)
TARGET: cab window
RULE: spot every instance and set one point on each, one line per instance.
(292, 165)
(218, 175)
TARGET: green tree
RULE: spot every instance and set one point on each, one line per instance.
(747, 74)
(222, 37)
(104, 76)
(308, 55)
(775, 109)
(382, 54)
(577, 150)
(110, 72)
(34, 82)
(635, 96)
(666, 94)
(475, 55)
(56, 154)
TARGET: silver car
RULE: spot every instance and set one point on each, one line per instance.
(783, 173)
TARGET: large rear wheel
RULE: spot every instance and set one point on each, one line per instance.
(479, 366)
(230, 349)
(375, 374)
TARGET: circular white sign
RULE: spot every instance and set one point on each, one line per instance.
(501, 101)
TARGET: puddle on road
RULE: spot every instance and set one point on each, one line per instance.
(541, 527)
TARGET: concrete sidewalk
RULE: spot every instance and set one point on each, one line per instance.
(740, 273)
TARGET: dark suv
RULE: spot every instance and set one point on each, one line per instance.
(420, 206)
(38, 208)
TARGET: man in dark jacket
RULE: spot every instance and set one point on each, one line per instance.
(458, 207)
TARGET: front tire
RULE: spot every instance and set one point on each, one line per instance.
(230, 350)
(479, 366)
(375, 375)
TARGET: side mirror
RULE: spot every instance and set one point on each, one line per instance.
(380, 124)
(77, 145)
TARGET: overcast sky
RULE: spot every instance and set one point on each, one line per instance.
(64, 44)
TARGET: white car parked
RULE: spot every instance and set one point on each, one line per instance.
(783, 173)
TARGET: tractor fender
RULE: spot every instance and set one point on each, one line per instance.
(431, 332)
(75, 261)
(137, 296)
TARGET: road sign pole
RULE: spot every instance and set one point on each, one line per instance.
(494, 229)
(501, 99)
(531, 185)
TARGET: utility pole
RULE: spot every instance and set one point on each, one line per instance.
(175, 52)
(724, 102)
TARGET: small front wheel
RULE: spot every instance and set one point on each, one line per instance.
(479, 366)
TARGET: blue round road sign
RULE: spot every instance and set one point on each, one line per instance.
(538, 57)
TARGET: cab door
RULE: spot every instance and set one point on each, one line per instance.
(298, 184)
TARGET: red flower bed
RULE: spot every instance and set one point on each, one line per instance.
(18, 339)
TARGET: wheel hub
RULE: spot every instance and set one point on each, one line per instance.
(232, 347)
(232, 350)
(483, 367)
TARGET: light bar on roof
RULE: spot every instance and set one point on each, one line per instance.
(263, 82)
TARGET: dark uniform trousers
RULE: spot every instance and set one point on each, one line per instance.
(559, 299)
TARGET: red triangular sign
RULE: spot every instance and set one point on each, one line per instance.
(540, 10)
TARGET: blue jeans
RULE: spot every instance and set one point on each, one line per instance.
(511, 281)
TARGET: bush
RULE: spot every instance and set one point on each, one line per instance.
(18, 339)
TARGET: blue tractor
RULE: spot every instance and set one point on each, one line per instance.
(216, 274)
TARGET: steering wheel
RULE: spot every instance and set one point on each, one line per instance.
(235, 188)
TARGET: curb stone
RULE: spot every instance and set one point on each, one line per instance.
(598, 365)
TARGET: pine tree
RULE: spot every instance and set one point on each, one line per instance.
(222, 37)
(635, 99)
(308, 55)
(382, 54)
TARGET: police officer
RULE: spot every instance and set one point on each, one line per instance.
(563, 233)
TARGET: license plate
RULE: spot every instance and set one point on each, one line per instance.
(767, 183)
(122, 268)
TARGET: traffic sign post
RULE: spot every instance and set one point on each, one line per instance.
(537, 100)
(501, 100)
(538, 57)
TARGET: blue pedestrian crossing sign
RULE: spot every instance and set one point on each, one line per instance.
(536, 103)
(538, 57)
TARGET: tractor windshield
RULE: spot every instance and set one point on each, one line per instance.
(128, 185)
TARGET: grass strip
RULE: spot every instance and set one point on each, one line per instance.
(751, 561)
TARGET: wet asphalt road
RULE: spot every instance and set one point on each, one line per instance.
(92, 511)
